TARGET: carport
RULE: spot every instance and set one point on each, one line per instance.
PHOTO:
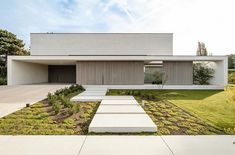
(62, 73)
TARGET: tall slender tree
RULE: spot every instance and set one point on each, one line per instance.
(201, 49)
(231, 61)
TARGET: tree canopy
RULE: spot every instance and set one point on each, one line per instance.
(10, 45)
(201, 49)
(231, 61)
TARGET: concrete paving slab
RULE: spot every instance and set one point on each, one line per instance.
(120, 109)
(86, 98)
(119, 102)
(99, 98)
(40, 145)
(124, 145)
(122, 123)
(201, 145)
(92, 94)
(118, 97)
(6, 108)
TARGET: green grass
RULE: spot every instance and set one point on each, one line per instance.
(39, 119)
(214, 107)
(192, 111)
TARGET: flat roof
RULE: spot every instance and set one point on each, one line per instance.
(100, 33)
(66, 60)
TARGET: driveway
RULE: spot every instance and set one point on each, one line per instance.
(13, 98)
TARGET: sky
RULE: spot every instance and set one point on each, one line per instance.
(208, 21)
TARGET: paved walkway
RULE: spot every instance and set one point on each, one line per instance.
(91, 94)
(116, 113)
(13, 98)
(117, 145)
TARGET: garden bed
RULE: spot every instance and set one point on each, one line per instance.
(43, 118)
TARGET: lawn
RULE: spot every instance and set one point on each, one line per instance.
(41, 119)
(188, 111)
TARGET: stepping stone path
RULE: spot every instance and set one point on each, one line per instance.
(116, 114)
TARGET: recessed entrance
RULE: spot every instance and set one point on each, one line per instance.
(62, 73)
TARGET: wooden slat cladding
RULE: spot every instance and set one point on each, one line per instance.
(110, 72)
(178, 72)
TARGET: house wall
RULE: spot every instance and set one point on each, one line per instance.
(178, 72)
(101, 44)
(26, 73)
(110, 72)
(221, 72)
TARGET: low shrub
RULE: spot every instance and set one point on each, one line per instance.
(65, 101)
(231, 78)
(3, 81)
(73, 109)
(68, 90)
(56, 107)
(145, 96)
(202, 74)
(51, 98)
(60, 97)
(136, 93)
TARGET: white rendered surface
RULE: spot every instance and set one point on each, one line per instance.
(101, 44)
(119, 102)
(34, 72)
(26, 73)
(120, 109)
(122, 123)
(99, 98)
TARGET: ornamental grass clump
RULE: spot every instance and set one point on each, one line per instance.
(73, 109)
(56, 107)
(65, 101)
(51, 99)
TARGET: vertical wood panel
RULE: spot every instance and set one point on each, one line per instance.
(110, 72)
(178, 72)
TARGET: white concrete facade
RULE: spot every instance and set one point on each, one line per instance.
(113, 55)
(33, 69)
(101, 43)
(19, 73)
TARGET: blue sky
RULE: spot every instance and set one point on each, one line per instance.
(210, 21)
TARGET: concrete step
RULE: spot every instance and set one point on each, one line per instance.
(100, 98)
(120, 109)
(122, 123)
(119, 102)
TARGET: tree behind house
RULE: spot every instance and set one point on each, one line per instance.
(9, 45)
(201, 49)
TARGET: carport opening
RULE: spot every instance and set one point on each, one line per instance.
(62, 73)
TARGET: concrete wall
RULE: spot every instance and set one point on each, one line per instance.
(26, 73)
(101, 44)
(221, 72)
(178, 72)
(110, 73)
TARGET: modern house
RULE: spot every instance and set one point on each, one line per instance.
(109, 59)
